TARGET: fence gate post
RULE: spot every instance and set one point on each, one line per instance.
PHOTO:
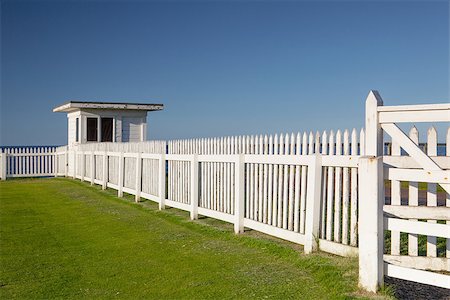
(239, 201)
(137, 197)
(120, 176)
(314, 189)
(194, 187)
(162, 181)
(105, 171)
(371, 200)
(3, 163)
(371, 231)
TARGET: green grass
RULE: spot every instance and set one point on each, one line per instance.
(61, 238)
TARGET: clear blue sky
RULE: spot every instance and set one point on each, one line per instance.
(220, 68)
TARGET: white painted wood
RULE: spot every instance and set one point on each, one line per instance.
(420, 276)
(411, 148)
(285, 185)
(432, 189)
(371, 231)
(312, 221)
(3, 165)
(177, 204)
(413, 199)
(92, 166)
(270, 186)
(105, 171)
(324, 187)
(416, 107)
(425, 228)
(330, 190)
(162, 181)
(217, 215)
(418, 212)
(296, 187)
(138, 178)
(260, 171)
(120, 176)
(280, 186)
(275, 184)
(345, 192)
(338, 248)
(421, 262)
(415, 116)
(395, 200)
(437, 176)
(407, 162)
(338, 191)
(291, 187)
(194, 187)
(374, 134)
(265, 181)
(239, 194)
(275, 231)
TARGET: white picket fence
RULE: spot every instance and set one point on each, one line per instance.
(322, 190)
(27, 162)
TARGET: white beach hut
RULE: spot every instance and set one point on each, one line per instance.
(92, 122)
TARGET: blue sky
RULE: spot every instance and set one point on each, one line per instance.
(220, 68)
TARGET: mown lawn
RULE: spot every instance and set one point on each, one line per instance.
(61, 238)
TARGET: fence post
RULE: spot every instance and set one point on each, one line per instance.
(137, 197)
(92, 167)
(4, 167)
(162, 181)
(120, 177)
(54, 165)
(374, 133)
(371, 231)
(83, 165)
(75, 157)
(371, 200)
(105, 171)
(239, 201)
(194, 187)
(314, 189)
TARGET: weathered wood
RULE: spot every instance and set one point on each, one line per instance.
(420, 276)
(420, 262)
(371, 231)
(418, 212)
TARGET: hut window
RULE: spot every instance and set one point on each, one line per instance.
(107, 129)
(77, 128)
(92, 128)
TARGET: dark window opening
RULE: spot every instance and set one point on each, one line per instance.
(77, 129)
(92, 128)
(107, 129)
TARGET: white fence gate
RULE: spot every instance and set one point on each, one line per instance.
(405, 217)
(323, 190)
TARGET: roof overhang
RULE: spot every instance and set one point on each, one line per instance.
(78, 105)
